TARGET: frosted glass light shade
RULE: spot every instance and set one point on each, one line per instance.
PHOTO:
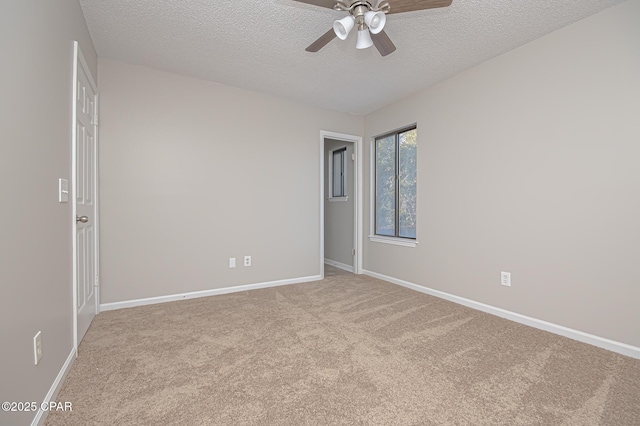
(343, 26)
(364, 39)
(375, 21)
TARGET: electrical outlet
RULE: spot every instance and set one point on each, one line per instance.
(505, 278)
(37, 347)
(232, 262)
(247, 261)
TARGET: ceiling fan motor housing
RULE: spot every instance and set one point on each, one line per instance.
(360, 9)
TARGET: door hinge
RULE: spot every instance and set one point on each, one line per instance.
(353, 252)
(96, 282)
(353, 156)
(95, 119)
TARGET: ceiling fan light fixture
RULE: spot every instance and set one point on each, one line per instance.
(375, 21)
(343, 26)
(364, 39)
(370, 15)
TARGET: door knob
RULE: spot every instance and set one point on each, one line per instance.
(83, 219)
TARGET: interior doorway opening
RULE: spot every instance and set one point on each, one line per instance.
(340, 202)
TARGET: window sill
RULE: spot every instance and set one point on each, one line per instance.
(392, 240)
(335, 199)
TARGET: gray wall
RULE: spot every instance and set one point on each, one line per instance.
(35, 230)
(339, 215)
(193, 173)
(528, 163)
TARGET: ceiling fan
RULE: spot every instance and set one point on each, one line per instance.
(369, 16)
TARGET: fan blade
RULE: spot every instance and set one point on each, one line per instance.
(321, 3)
(383, 43)
(401, 6)
(322, 41)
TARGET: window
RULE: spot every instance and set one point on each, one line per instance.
(396, 184)
(338, 173)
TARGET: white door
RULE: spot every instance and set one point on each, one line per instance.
(85, 197)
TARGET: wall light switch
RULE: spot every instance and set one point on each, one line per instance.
(232, 262)
(63, 191)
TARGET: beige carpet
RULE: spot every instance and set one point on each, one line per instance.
(348, 350)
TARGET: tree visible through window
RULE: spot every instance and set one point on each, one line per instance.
(396, 184)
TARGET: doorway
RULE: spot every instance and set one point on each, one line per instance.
(340, 201)
(84, 185)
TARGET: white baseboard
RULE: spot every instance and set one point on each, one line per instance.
(195, 294)
(343, 266)
(41, 415)
(601, 342)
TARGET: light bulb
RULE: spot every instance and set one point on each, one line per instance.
(364, 39)
(375, 21)
(343, 26)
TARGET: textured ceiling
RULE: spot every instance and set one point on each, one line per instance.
(259, 45)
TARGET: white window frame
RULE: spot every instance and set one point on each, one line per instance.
(345, 181)
(373, 237)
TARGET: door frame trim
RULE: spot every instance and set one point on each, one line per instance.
(78, 58)
(358, 188)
